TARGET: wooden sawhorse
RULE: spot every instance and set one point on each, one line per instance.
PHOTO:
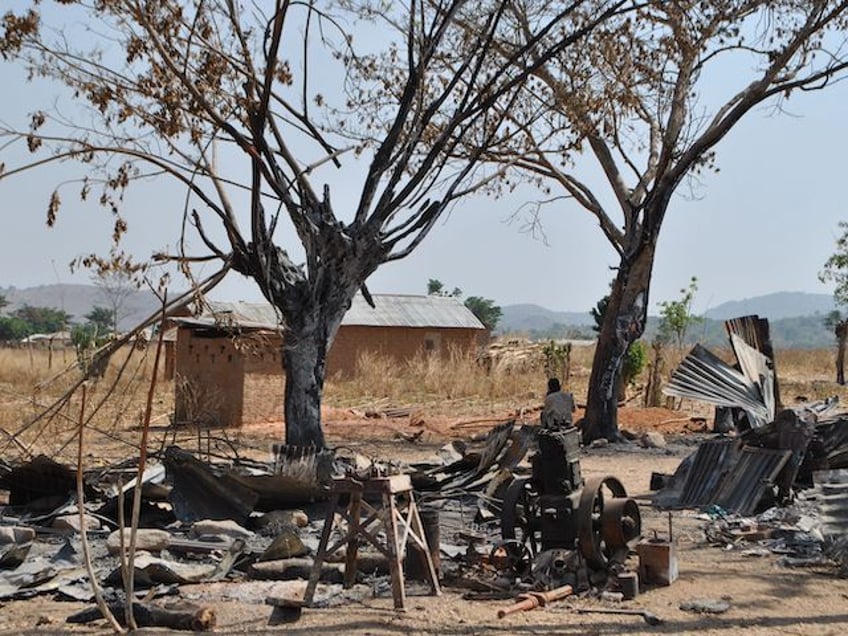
(394, 516)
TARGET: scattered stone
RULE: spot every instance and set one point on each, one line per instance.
(146, 539)
(599, 443)
(289, 569)
(272, 523)
(224, 527)
(705, 606)
(15, 542)
(285, 546)
(71, 523)
(16, 535)
(653, 439)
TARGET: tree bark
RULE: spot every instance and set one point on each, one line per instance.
(624, 322)
(653, 392)
(841, 337)
(304, 360)
(313, 307)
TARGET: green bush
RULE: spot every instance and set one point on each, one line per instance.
(634, 362)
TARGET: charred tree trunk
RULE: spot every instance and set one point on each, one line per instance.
(310, 328)
(304, 361)
(841, 331)
(313, 303)
(624, 322)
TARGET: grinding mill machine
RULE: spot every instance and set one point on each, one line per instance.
(556, 509)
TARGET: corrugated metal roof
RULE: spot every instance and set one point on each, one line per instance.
(391, 310)
(744, 486)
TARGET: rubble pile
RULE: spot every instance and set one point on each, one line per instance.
(770, 462)
(509, 516)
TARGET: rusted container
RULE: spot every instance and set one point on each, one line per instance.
(657, 562)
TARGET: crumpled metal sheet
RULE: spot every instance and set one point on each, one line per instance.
(758, 369)
(41, 477)
(733, 479)
(198, 493)
(704, 376)
(42, 574)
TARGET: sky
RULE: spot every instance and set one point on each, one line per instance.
(766, 222)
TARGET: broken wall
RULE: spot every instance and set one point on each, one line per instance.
(209, 380)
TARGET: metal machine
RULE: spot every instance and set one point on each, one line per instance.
(578, 525)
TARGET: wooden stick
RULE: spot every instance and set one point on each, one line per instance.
(95, 586)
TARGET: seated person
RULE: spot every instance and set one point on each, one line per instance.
(559, 407)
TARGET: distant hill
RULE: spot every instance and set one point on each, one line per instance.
(529, 319)
(79, 300)
(775, 306)
(796, 320)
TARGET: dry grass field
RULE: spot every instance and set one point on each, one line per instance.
(440, 393)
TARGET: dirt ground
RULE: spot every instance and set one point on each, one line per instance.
(764, 598)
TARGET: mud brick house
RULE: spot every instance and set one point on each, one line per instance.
(228, 359)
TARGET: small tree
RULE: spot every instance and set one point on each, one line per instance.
(12, 329)
(42, 319)
(598, 313)
(836, 271)
(117, 279)
(558, 361)
(102, 318)
(436, 287)
(839, 323)
(484, 309)
(676, 316)
(634, 363)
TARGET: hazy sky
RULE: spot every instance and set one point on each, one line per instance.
(765, 223)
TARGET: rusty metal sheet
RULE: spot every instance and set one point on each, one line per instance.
(755, 470)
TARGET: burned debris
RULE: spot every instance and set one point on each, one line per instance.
(512, 515)
(774, 455)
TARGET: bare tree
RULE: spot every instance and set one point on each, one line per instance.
(633, 97)
(117, 279)
(175, 88)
